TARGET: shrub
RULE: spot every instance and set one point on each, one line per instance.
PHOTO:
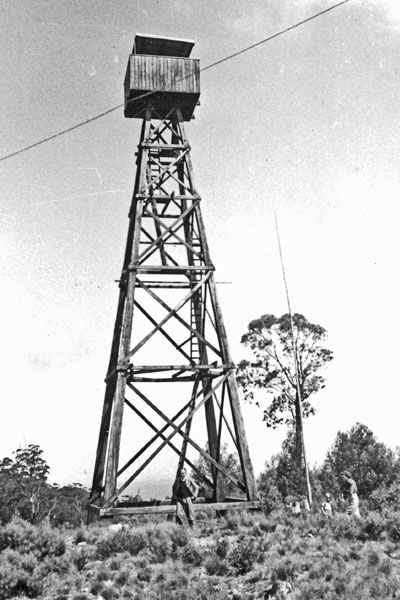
(41, 540)
(373, 527)
(191, 555)
(82, 556)
(232, 522)
(11, 573)
(159, 542)
(271, 499)
(242, 557)
(124, 540)
(393, 527)
(19, 574)
(214, 565)
(344, 528)
(385, 498)
(222, 547)
(179, 537)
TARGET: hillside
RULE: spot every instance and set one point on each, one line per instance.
(241, 556)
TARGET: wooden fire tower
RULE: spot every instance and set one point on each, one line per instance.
(170, 369)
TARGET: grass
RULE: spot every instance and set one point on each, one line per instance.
(242, 556)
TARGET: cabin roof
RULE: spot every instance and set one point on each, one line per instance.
(161, 46)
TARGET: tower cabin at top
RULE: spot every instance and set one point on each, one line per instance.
(161, 74)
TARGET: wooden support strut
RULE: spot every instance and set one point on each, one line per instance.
(112, 498)
(177, 429)
(170, 444)
(118, 408)
(243, 449)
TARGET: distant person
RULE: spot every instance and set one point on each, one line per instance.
(326, 506)
(350, 495)
(184, 492)
(296, 508)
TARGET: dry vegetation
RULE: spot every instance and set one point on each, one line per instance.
(237, 557)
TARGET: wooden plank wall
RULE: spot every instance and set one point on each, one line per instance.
(171, 74)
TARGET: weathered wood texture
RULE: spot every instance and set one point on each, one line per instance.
(170, 508)
(161, 45)
(165, 81)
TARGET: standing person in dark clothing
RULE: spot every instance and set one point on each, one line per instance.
(350, 496)
(184, 492)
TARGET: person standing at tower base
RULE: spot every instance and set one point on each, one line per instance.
(184, 492)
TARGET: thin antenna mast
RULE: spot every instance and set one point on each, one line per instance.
(296, 364)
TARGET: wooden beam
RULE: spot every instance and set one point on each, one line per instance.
(165, 334)
(170, 444)
(160, 447)
(151, 440)
(182, 321)
(167, 229)
(172, 312)
(178, 429)
(119, 397)
(170, 509)
(172, 164)
(158, 269)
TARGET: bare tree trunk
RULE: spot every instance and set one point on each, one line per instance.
(298, 448)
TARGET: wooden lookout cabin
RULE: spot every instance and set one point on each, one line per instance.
(160, 71)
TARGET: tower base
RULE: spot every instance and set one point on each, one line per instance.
(164, 507)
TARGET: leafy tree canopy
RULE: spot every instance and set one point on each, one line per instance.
(273, 369)
(24, 490)
(29, 462)
(371, 463)
(231, 463)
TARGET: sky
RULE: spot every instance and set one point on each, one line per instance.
(305, 125)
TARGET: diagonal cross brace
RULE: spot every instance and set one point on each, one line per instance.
(161, 446)
(173, 233)
(170, 444)
(205, 454)
(179, 318)
(167, 174)
(165, 334)
(168, 229)
(144, 447)
(166, 170)
(180, 304)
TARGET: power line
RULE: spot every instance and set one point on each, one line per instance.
(273, 36)
(207, 67)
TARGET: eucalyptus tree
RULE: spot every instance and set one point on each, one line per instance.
(288, 395)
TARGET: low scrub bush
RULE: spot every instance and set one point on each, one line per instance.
(159, 542)
(19, 574)
(373, 527)
(222, 547)
(385, 498)
(125, 540)
(343, 527)
(393, 526)
(241, 558)
(191, 555)
(215, 565)
(41, 540)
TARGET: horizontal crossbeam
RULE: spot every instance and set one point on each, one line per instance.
(169, 509)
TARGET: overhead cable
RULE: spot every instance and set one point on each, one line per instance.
(207, 67)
